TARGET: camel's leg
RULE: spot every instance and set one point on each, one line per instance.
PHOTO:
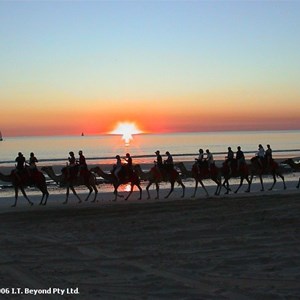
(89, 194)
(47, 195)
(282, 177)
(274, 182)
(74, 192)
(241, 183)
(249, 184)
(298, 185)
(43, 196)
(219, 186)
(116, 193)
(25, 196)
(141, 191)
(67, 195)
(261, 183)
(226, 186)
(16, 196)
(147, 189)
(183, 188)
(157, 190)
(204, 187)
(195, 190)
(131, 190)
(96, 193)
(171, 190)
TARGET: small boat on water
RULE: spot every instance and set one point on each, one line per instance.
(82, 134)
(1, 138)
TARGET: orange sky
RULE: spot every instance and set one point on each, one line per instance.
(169, 66)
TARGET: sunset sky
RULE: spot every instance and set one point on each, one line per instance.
(170, 66)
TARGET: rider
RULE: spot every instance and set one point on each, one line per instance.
(268, 155)
(129, 166)
(169, 164)
(158, 161)
(20, 159)
(118, 167)
(240, 157)
(71, 165)
(260, 154)
(82, 162)
(229, 158)
(200, 159)
(32, 162)
(210, 159)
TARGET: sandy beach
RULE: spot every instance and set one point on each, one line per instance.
(243, 246)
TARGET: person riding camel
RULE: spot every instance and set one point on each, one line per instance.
(158, 161)
(260, 155)
(32, 164)
(268, 155)
(20, 167)
(82, 163)
(129, 166)
(200, 159)
(169, 164)
(71, 165)
(210, 159)
(229, 159)
(118, 167)
(240, 158)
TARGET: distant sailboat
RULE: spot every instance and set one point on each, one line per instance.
(1, 138)
(82, 134)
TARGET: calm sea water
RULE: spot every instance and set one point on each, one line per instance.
(103, 148)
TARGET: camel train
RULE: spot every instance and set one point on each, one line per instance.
(134, 175)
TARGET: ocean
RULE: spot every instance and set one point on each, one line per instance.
(100, 149)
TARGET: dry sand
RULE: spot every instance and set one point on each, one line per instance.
(233, 247)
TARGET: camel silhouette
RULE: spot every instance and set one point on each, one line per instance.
(88, 180)
(199, 174)
(234, 172)
(154, 176)
(23, 180)
(131, 178)
(259, 169)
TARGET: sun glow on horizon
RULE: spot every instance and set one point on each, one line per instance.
(127, 130)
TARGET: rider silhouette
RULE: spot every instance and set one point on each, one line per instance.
(240, 157)
(209, 159)
(169, 164)
(118, 167)
(229, 158)
(20, 160)
(71, 165)
(82, 162)
(268, 155)
(158, 162)
(32, 164)
(260, 154)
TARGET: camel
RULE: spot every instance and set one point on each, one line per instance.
(294, 166)
(260, 170)
(199, 176)
(89, 182)
(133, 179)
(22, 180)
(155, 177)
(242, 172)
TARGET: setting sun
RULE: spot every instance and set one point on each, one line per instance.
(127, 130)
